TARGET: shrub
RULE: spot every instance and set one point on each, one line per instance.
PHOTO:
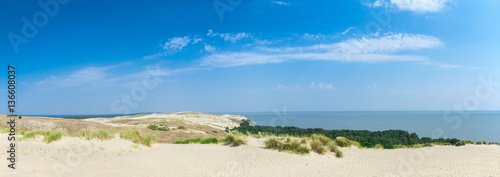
(428, 145)
(214, 131)
(153, 127)
(181, 128)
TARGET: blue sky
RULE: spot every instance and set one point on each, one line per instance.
(94, 57)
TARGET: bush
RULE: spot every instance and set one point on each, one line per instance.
(153, 127)
(181, 128)
(428, 145)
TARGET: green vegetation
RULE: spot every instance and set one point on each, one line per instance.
(5, 131)
(95, 134)
(234, 140)
(464, 142)
(289, 146)
(138, 137)
(156, 127)
(299, 145)
(317, 147)
(200, 140)
(48, 136)
(133, 135)
(181, 128)
(480, 142)
(379, 146)
(493, 143)
(389, 139)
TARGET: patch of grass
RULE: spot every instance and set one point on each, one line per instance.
(344, 142)
(200, 140)
(334, 148)
(209, 141)
(464, 142)
(4, 131)
(442, 144)
(303, 150)
(181, 128)
(379, 146)
(95, 134)
(428, 145)
(156, 127)
(234, 140)
(481, 142)
(48, 136)
(138, 137)
(400, 146)
(317, 147)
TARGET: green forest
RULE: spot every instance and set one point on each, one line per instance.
(387, 138)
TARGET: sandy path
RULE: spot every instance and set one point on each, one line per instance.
(79, 157)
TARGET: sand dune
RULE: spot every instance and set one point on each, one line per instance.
(80, 157)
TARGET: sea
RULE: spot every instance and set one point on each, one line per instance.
(470, 125)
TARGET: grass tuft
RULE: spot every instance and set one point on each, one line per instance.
(317, 147)
(48, 136)
(95, 134)
(138, 137)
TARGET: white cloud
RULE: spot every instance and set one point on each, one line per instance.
(176, 44)
(210, 48)
(322, 86)
(281, 87)
(372, 49)
(229, 36)
(308, 36)
(312, 85)
(280, 3)
(347, 30)
(412, 5)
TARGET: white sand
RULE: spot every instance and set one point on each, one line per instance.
(79, 157)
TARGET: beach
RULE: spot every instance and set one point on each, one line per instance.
(73, 156)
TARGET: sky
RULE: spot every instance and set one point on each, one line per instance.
(107, 57)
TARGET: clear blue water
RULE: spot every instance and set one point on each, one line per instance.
(481, 125)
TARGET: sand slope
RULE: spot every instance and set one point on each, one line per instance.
(79, 157)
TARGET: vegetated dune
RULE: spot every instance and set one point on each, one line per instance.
(197, 125)
(75, 157)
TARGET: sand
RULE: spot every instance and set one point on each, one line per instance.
(73, 156)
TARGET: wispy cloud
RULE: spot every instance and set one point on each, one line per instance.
(322, 86)
(369, 49)
(419, 6)
(229, 36)
(174, 45)
(210, 48)
(281, 3)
